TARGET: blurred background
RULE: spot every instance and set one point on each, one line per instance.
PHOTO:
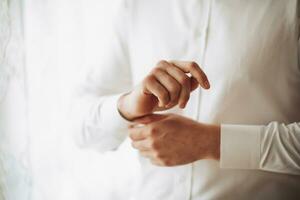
(46, 47)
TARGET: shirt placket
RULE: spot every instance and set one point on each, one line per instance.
(200, 36)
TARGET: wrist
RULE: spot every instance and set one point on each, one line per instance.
(122, 107)
(210, 140)
(215, 142)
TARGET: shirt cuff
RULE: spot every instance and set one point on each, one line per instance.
(240, 146)
(110, 115)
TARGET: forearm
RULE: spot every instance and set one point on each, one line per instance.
(98, 122)
(124, 107)
(274, 147)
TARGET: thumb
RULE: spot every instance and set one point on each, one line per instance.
(149, 118)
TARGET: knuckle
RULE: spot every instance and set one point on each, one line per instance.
(155, 146)
(158, 155)
(153, 131)
(185, 80)
(162, 63)
(150, 79)
(156, 70)
(174, 88)
(193, 65)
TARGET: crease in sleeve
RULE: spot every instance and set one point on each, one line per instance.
(240, 146)
(110, 130)
(110, 116)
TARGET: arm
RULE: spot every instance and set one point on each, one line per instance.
(170, 140)
(98, 122)
(101, 105)
(275, 147)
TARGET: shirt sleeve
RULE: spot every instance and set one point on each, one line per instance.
(97, 121)
(274, 147)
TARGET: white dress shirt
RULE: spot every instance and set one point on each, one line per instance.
(249, 51)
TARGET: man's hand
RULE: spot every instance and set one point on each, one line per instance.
(166, 86)
(169, 140)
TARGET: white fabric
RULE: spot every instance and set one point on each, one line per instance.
(249, 50)
(238, 152)
(15, 174)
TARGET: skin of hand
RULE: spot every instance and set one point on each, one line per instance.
(167, 85)
(170, 140)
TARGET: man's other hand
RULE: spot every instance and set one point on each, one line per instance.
(169, 140)
(168, 84)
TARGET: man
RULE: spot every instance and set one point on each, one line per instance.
(236, 137)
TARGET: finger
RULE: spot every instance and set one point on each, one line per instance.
(137, 133)
(142, 145)
(153, 86)
(185, 82)
(150, 118)
(195, 70)
(170, 83)
(194, 84)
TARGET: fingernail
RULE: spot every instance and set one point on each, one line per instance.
(207, 85)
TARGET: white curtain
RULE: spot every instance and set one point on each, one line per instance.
(15, 174)
(52, 45)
